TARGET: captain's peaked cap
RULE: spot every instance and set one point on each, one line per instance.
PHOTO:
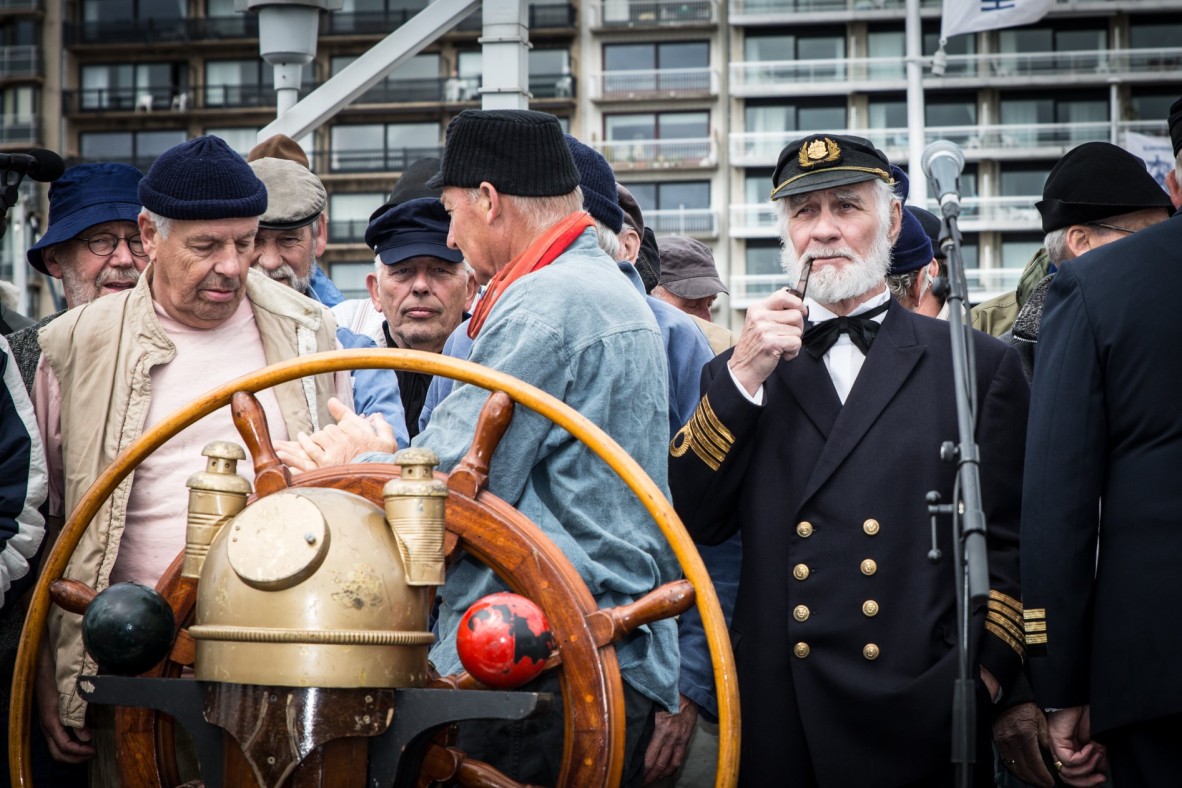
(823, 161)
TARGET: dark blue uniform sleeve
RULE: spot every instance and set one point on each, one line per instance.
(1065, 452)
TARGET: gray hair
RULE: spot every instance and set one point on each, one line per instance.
(539, 213)
(1056, 245)
(163, 223)
(900, 285)
(609, 241)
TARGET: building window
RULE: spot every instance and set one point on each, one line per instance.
(658, 137)
(757, 185)
(950, 110)
(375, 147)
(1151, 105)
(418, 79)
(549, 75)
(762, 258)
(240, 140)
(133, 86)
(819, 44)
(1027, 40)
(1155, 33)
(887, 44)
(669, 67)
(115, 10)
(19, 32)
(1018, 248)
(1023, 180)
(18, 115)
(817, 115)
(1054, 119)
(675, 207)
(350, 278)
(349, 214)
(137, 148)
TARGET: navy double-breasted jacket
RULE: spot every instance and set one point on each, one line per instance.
(844, 631)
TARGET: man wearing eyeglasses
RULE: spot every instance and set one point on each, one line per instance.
(92, 245)
(1096, 194)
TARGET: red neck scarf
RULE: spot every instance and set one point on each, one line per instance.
(539, 254)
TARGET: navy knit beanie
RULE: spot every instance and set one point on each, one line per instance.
(600, 197)
(518, 151)
(912, 249)
(202, 179)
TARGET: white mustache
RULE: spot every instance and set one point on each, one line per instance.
(814, 254)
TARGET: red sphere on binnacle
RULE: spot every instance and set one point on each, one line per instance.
(504, 640)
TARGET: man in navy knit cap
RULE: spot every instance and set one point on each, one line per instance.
(198, 317)
(556, 314)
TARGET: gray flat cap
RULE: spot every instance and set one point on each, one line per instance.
(295, 196)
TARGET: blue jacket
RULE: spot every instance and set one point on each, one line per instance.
(374, 390)
(566, 329)
(686, 352)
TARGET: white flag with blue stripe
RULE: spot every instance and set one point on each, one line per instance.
(973, 16)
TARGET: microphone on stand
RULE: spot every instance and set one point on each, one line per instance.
(39, 164)
(942, 163)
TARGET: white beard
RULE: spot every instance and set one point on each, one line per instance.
(832, 284)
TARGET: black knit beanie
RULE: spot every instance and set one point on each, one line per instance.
(599, 185)
(202, 179)
(518, 151)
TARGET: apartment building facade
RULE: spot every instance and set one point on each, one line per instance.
(690, 100)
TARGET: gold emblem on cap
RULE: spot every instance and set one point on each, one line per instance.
(822, 151)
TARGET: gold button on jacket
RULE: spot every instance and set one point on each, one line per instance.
(801, 650)
(869, 567)
(870, 608)
(870, 527)
(870, 651)
(800, 571)
(804, 529)
(801, 613)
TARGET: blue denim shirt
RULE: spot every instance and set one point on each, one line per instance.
(374, 390)
(686, 352)
(586, 337)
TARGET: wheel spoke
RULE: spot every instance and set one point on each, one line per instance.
(270, 474)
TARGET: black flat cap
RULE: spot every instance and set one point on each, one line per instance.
(823, 161)
(1094, 181)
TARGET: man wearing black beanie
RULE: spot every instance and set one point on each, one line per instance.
(1095, 194)
(198, 317)
(556, 314)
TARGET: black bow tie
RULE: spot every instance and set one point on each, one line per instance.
(819, 337)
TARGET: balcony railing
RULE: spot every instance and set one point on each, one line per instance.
(748, 11)
(541, 15)
(1009, 141)
(698, 222)
(20, 61)
(388, 160)
(366, 23)
(19, 5)
(653, 13)
(654, 84)
(155, 31)
(18, 129)
(347, 231)
(754, 220)
(758, 78)
(125, 99)
(658, 154)
(1097, 65)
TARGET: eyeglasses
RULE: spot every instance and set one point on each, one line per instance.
(1112, 227)
(105, 244)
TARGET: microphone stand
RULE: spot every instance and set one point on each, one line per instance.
(968, 518)
(9, 194)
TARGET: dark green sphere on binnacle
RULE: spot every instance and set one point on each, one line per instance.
(128, 628)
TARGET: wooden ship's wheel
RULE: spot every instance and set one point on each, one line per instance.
(478, 524)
